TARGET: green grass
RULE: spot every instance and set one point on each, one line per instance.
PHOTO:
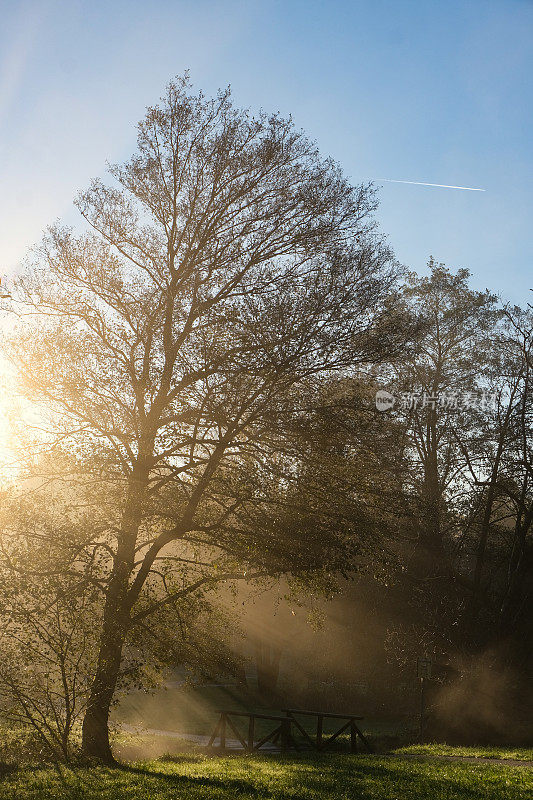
(21, 744)
(144, 747)
(339, 777)
(518, 754)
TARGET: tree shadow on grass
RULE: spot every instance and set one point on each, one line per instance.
(77, 781)
(359, 777)
(309, 776)
(350, 778)
(233, 786)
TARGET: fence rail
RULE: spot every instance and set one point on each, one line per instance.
(320, 743)
(282, 731)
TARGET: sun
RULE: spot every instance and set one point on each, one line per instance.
(10, 416)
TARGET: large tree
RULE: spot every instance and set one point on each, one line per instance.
(225, 270)
(442, 388)
(500, 473)
(443, 384)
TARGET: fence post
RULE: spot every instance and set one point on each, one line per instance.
(319, 721)
(285, 733)
(223, 732)
(251, 726)
(422, 708)
(353, 737)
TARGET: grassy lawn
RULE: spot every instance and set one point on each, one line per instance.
(197, 777)
(518, 754)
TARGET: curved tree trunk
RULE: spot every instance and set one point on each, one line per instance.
(95, 730)
(115, 628)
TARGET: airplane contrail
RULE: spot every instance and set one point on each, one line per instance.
(438, 185)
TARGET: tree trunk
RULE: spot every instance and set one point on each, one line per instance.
(513, 605)
(95, 730)
(429, 558)
(486, 521)
(268, 658)
(115, 628)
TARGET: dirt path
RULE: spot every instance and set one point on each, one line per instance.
(505, 762)
(234, 744)
(231, 744)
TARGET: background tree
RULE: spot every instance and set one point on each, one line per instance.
(49, 596)
(343, 479)
(444, 378)
(499, 462)
(444, 389)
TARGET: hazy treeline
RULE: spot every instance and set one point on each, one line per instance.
(451, 574)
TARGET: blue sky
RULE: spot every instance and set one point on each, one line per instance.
(421, 90)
